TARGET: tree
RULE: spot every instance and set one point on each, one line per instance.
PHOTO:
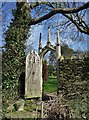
(13, 61)
(66, 51)
(52, 70)
(72, 13)
(52, 59)
(14, 55)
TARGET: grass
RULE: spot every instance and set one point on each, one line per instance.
(28, 112)
(50, 86)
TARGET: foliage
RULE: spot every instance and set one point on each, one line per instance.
(13, 55)
(74, 85)
(30, 110)
(79, 105)
(66, 51)
(45, 70)
(52, 58)
(52, 70)
(13, 61)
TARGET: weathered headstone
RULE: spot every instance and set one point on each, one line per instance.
(33, 80)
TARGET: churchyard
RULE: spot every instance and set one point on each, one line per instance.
(37, 86)
(64, 95)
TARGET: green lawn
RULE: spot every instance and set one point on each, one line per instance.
(50, 85)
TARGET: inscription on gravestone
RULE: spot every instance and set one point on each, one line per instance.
(33, 80)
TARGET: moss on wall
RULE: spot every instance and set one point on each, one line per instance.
(74, 77)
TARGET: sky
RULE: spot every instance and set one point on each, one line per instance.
(37, 29)
(75, 45)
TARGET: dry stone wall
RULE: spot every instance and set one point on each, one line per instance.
(74, 76)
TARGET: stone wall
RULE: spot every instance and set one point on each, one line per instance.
(74, 83)
(74, 76)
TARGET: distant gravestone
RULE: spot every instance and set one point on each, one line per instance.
(33, 79)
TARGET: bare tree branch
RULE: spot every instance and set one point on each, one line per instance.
(34, 5)
(59, 10)
(86, 31)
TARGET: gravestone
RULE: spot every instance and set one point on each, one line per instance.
(33, 79)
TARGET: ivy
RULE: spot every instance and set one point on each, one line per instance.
(13, 62)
